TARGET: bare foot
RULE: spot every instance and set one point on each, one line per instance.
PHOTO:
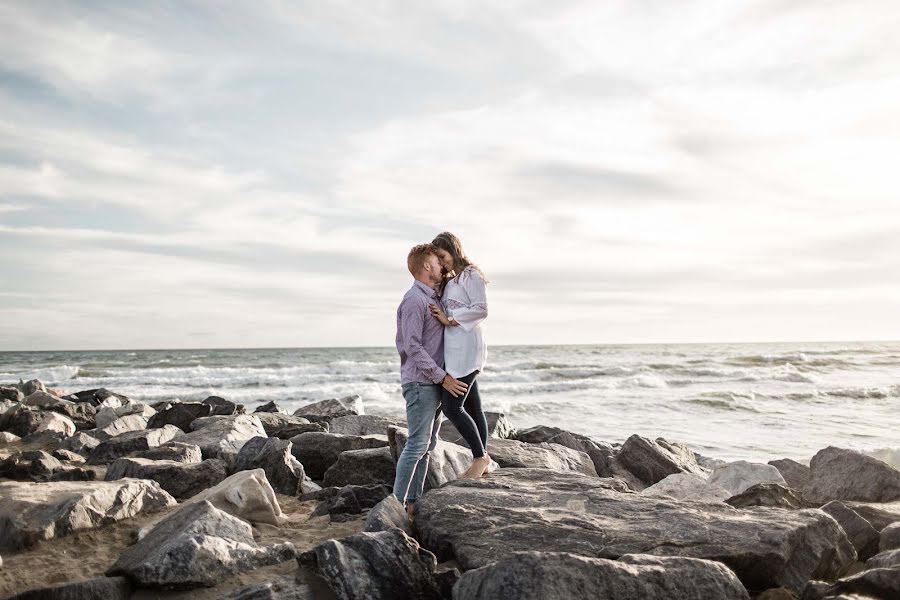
(478, 467)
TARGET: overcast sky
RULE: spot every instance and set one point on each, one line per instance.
(178, 174)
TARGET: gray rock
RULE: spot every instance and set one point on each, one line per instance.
(222, 407)
(96, 397)
(515, 454)
(601, 454)
(880, 515)
(197, 545)
(350, 500)
(272, 455)
(767, 494)
(119, 426)
(222, 437)
(21, 420)
(269, 407)
(31, 386)
(386, 565)
(131, 441)
(31, 512)
(318, 451)
(81, 443)
(480, 521)
(814, 590)
(331, 408)
(795, 474)
(42, 399)
(884, 559)
(363, 425)
(563, 575)
(286, 426)
(859, 531)
(99, 588)
(8, 438)
(36, 465)
(108, 414)
(687, 486)
(11, 393)
(498, 427)
(180, 414)
(68, 456)
(388, 514)
(446, 463)
(777, 594)
(174, 451)
(283, 588)
(890, 537)
(839, 474)
(883, 583)
(740, 475)
(81, 413)
(362, 467)
(651, 462)
(182, 480)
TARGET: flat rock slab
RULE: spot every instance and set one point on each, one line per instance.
(562, 575)
(132, 441)
(332, 408)
(477, 522)
(317, 451)
(767, 494)
(518, 455)
(30, 512)
(840, 474)
(182, 480)
(362, 467)
(687, 486)
(99, 588)
(223, 437)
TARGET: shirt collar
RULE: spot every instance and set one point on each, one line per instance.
(428, 291)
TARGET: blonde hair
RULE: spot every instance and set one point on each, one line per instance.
(417, 256)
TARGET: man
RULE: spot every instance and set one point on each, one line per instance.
(420, 342)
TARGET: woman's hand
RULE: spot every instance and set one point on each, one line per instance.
(441, 316)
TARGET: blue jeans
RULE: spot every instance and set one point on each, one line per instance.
(423, 414)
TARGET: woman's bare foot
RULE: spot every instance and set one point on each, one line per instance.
(478, 467)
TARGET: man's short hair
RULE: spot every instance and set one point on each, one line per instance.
(417, 257)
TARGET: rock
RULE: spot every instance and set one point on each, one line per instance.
(686, 486)
(479, 521)
(224, 436)
(446, 463)
(872, 583)
(31, 386)
(272, 455)
(880, 515)
(601, 454)
(766, 494)
(777, 594)
(363, 425)
(182, 480)
(107, 414)
(362, 467)
(222, 407)
(283, 588)
(56, 422)
(197, 545)
(318, 451)
(97, 397)
(859, 531)
(21, 420)
(99, 588)
(173, 451)
(388, 514)
(514, 454)
(308, 486)
(885, 559)
(839, 474)
(37, 465)
(651, 462)
(350, 500)
(132, 441)
(180, 414)
(67, 456)
(286, 426)
(795, 474)
(81, 442)
(269, 407)
(814, 590)
(740, 475)
(890, 456)
(81, 413)
(331, 408)
(890, 537)
(8, 438)
(11, 393)
(41, 399)
(385, 565)
(564, 575)
(710, 463)
(120, 426)
(498, 427)
(30, 512)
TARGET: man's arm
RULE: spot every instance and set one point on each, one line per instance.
(412, 320)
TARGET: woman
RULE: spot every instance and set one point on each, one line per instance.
(464, 308)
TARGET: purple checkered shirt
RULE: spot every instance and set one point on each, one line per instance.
(420, 337)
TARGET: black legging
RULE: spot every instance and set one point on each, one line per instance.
(471, 422)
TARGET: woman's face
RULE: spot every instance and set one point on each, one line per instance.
(445, 259)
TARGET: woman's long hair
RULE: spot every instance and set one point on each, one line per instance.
(451, 244)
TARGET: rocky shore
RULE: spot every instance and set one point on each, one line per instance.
(105, 497)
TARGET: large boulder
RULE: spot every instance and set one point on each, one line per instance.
(388, 514)
(767, 494)
(120, 426)
(738, 476)
(31, 512)
(795, 474)
(287, 426)
(348, 501)
(272, 455)
(364, 425)
(55, 422)
(498, 426)
(883, 584)
(884, 559)
(182, 480)
(362, 467)
(223, 437)
(515, 454)
(197, 545)
(859, 531)
(601, 453)
(564, 575)
(44, 400)
(651, 461)
(479, 521)
(317, 451)
(331, 408)
(889, 538)
(385, 565)
(131, 441)
(108, 414)
(99, 588)
(446, 462)
(840, 474)
(686, 486)
(31, 386)
(880, 515)
(37, 465)
(12, 394)
(180, 414)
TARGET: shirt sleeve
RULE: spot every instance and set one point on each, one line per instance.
(470, 315)
(412, 320)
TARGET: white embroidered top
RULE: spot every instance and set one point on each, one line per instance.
(465, 300)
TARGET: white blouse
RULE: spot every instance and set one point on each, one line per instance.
(465, 300)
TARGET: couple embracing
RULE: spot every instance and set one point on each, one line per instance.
(441, 354)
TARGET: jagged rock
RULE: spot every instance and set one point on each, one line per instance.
(363, 425)
(738, 476)
(883, 583)
(283, 588)
(269, 407)
(686, 486)
(93, 397)
(108, 414)
(180, 414)
(132, 441)
(21, 420)
(55, 422)
(331, 408)
(766, 494)
(81, 413)
(651, 462)
(880, 515)
(286, 426)
(498, 427)
(795, 474)
(446, 463)
(480, 521)
(884, 559)
(182, 480)
(564, 575)
(68, 456)
(8, 438)
(318, 451)
(342, 503)
(388, 514)
(223, 437)
(601, 453)
(272, 455)
(362, 467)
(37, 465)
(308, 486)
(197, 545)
(99, 588)
(81, 442)
(839, 474)
(11, 393)
(120, 426)
(890, 537)
(515, 454)
(174, 451)
(385, 565)
(30, 512)
(41, 399)
(859, 531)
(222, 407)
(31, 386)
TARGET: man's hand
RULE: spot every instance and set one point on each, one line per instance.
(456, 387)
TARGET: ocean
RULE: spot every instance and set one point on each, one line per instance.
(730, 401)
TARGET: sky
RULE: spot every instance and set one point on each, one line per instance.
(207, 174)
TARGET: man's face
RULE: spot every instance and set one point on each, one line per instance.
(445, 259)
(433, 269)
